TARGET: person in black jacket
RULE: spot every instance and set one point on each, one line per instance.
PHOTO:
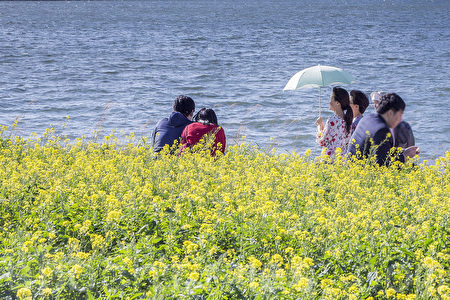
(168, 130)
(373, 135)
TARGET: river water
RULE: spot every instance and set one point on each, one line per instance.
(118, 65)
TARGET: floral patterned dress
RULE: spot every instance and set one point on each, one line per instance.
(334, 135)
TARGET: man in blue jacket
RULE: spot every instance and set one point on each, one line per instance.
(372, 135)
(168, 130)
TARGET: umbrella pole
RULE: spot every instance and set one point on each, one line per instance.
(320, 105)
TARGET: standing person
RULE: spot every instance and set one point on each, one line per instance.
(359, 103)
(205, 124)
(402, 133)
(168, 130)
(373, 131)
(336, 132)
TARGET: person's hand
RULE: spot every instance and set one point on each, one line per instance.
(319, 123)
(411, 151)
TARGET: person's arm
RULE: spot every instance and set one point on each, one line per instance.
(404, 136)
(410, 141)
(324, 135)
(411, 152)
(154, 135)
(220, 136)
(319, 124)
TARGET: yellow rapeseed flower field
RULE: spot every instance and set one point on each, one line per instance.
(91, 219)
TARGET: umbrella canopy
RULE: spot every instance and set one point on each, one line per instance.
(318, 77)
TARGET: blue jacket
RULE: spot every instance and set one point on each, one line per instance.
(168, 130)
(377, 136)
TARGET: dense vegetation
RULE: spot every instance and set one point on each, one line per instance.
(87, 219)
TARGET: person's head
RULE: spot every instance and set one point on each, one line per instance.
(376, 98)
(358, 102)
(339, 101)
(206, 116)
(184, 105)
(391, 109)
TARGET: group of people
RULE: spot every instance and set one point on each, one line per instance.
(348, 128)
(183, 126)
(374, 134)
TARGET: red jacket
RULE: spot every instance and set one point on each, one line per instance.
(193, 133)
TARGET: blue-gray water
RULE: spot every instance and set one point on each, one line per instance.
(118, 65)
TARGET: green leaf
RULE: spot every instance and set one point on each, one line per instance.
(136, 296)
(156, 240)
(372, 261)
(25, 270)
(90, 296)
(427, 242)
(407, 252)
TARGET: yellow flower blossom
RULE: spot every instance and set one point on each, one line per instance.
(194, 276)
(24, 294)
(301, 284)
(390, 292)
(47, 271)
(113, 216)
(249, 222)
(255, 263)
(253, 285)
(76, 270)
(47, 292)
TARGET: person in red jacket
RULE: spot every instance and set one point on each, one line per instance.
(205, 124)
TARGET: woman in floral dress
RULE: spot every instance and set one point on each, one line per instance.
(337, 130)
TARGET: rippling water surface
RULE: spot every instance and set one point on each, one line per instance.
(118, 65)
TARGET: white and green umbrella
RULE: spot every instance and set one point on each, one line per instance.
(318, 77)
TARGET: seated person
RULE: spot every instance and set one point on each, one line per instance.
(337, 130)
(373, 131)
(205, 124)
(376, 98)
(358, 103)
(402, 133)
(168, 130)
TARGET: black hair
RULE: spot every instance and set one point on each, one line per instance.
(184, 105)
(360, 99)
(391, 101)
(206, 116)
(341, 95)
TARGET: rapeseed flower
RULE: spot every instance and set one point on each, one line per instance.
(246, 224)
(24, 294)
(47, 292)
